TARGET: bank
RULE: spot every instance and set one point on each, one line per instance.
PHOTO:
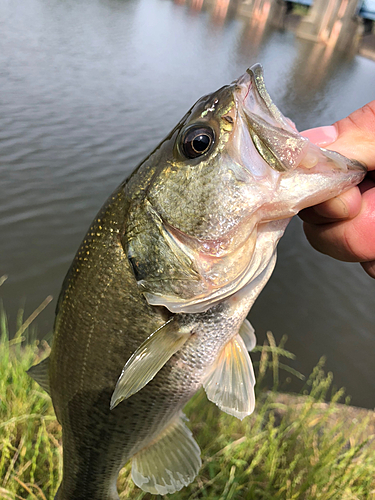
(292, 447)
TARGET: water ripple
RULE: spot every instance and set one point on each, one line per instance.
(89, 88)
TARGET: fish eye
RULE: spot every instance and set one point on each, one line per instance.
(197, 141)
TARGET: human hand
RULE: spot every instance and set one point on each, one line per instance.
(344, 227)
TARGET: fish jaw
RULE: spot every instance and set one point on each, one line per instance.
(293, 172)
(332, 175)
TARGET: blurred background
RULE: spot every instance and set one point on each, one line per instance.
(88, 88)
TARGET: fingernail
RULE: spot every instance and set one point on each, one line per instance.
(334, 208)
(322, 136)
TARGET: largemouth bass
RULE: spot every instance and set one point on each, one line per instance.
(154, 305)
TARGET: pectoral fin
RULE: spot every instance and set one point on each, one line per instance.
(148, 359)
(248, 336)
(231, 383)
(39, 373)
(171, 462)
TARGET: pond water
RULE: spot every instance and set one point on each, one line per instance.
(88, 88)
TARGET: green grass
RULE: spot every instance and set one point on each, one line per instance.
(283, 451)
(30, 450)
(301, 10)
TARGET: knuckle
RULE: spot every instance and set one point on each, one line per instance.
(363, 119)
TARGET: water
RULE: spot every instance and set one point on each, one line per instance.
(89, 88)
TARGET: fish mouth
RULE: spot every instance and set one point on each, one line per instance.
(280, 149)
(255, 99)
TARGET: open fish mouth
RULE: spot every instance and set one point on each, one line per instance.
(276, 138)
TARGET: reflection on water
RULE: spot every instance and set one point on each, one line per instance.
(89, 88)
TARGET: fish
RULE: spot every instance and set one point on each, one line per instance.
(155, 303)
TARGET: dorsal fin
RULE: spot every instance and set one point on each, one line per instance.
(39, 373)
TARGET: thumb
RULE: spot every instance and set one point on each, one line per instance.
(345, 226)
(353, 136)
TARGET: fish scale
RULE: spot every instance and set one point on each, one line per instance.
(104, 451)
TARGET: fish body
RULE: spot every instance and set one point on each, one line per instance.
(154, 305)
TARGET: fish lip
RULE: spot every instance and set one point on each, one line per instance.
(253, 99)
(354, 166)
(244, 80)
(357, 165)
(250, 75)
(243, 86)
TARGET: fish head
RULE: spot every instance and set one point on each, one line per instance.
(208, 207)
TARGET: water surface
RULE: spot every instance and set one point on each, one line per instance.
(89, 88)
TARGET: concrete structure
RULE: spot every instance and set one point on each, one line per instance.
(264, 12)
(334, 22)
(345, 25)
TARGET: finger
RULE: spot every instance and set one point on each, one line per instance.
(345, 206)
(355, 136)
(352, 240)
(322, 136)
(368, 182)
(369, 267)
